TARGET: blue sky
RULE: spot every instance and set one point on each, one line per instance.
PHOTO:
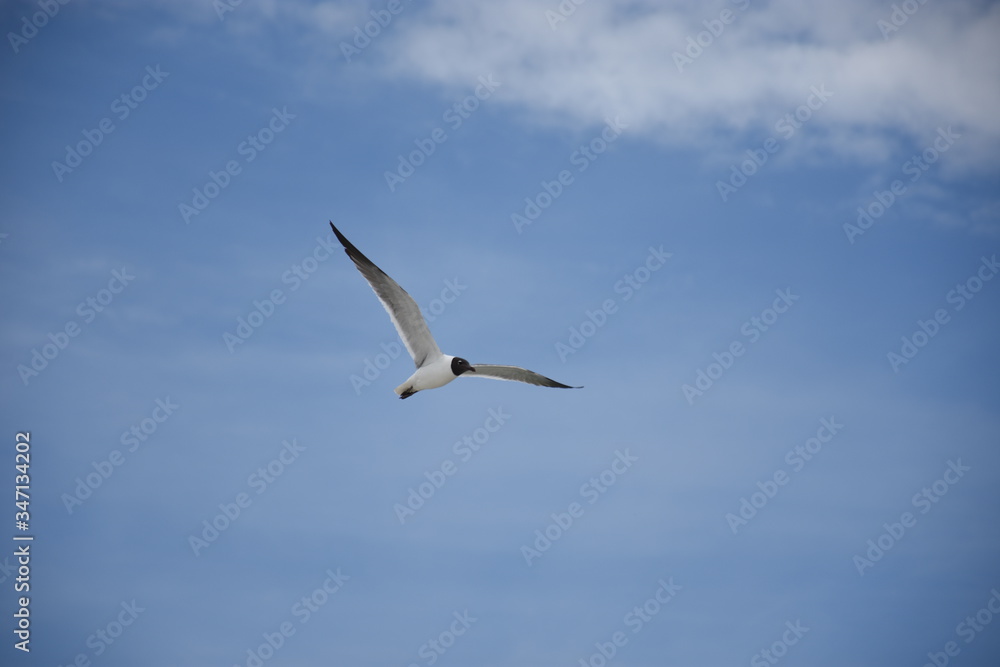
(763, 236)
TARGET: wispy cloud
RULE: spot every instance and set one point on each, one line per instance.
(618, 57)
(751, 61)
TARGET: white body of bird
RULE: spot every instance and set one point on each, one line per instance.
(435, 374)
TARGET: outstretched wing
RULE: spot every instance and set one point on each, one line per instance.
(402, 309)
(515, 374)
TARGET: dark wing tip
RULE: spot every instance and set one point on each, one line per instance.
(356, 255)
(340, 237)
(549, 382)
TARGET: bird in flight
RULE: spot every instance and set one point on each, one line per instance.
(434, 368)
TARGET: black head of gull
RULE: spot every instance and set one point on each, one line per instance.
(460, 365)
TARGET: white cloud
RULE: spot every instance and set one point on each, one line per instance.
(939, 68)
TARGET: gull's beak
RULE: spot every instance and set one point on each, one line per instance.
(472, 368)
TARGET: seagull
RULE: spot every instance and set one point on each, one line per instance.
(434, 368)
